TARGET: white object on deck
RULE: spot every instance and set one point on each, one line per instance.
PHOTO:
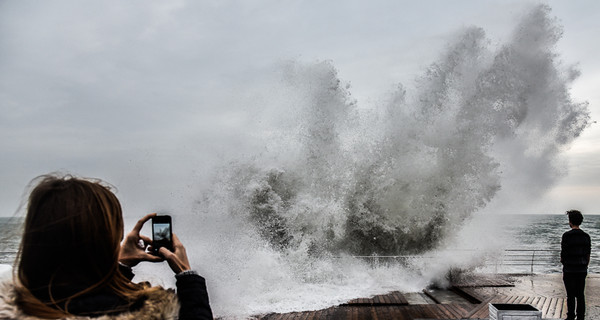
(514, 311)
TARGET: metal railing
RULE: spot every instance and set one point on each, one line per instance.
(531, 258)
(518, 260)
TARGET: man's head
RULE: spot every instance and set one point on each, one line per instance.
(575, 217)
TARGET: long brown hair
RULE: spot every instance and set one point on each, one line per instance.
(70, 246)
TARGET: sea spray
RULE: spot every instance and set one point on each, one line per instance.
(336, 180)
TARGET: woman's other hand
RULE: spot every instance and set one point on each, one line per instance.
(134, 251)
(177, 259)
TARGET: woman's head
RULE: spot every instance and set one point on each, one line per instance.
(71, 242)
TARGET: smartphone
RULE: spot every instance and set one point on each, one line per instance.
(162, 232)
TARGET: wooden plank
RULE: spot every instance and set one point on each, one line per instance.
(374, 314)
(393, 311)
(545, 306)
(482, 313)
(278, 317)
(395, 298)
(426, 311)
(431, 310)
(562, 304)
(551, 308)
(311, 315)
(418, 310)
(476, 310)
(384, 312)
(307, 315)
(469, 293)
(563, 314)
(539, 302)
(387, 299)
(352, 312)
(465, 307)
(391, 298)
(287, 316)
(521, 300)
(529, 300)
(457, 309)
(444, 311)
(400, 298)
(484, 281)
(558, 309)
(535, 302)
(408, 312)
(447, 311)
(322, 314)
(431, 296)
(318, 314)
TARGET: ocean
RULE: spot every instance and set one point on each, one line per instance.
(543, 233)
(323, 282)
(10, 238)
(528, 233)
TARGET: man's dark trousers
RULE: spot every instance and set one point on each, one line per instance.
(575, 286)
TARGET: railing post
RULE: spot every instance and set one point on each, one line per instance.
(532, 259)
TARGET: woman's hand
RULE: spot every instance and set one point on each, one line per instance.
(134, 251)
(177, 259)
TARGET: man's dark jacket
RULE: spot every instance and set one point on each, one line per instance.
(576, 247)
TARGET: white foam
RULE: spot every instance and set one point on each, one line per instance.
(275, 229)
(5, 271)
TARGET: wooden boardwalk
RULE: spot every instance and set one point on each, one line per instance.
(552, 308)
(395, 305)
(419, 311)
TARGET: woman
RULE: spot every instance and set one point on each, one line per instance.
(72, 265)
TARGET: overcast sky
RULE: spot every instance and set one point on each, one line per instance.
(152, 95)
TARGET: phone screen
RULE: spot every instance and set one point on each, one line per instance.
(162, 232)
(162, 235)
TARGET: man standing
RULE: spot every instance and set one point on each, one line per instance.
(575, 252)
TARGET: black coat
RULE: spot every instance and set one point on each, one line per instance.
(191, 295)
(576, 247)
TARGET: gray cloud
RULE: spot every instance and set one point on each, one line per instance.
(149, 92)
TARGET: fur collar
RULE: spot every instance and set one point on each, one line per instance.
(160, 305)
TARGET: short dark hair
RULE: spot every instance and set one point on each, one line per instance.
(575, 217)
